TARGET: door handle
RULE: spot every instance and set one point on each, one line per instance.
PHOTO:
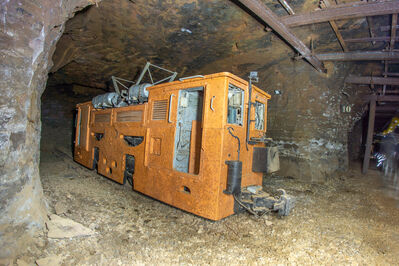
(170, 107)
(213, 110)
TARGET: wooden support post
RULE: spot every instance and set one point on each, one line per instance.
(393, 31)
(391, 46)
(370, 132)
(385, 76)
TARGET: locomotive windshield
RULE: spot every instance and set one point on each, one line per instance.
(235, 105)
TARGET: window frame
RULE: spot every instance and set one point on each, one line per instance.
(242, 91)
(264, 115)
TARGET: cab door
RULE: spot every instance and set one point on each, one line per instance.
(82, 153)
(188, 133)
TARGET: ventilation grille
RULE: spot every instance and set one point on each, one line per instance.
(102, 118)
(130, 116)
(159, 110)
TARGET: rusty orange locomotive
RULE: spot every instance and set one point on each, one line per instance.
(197, 144)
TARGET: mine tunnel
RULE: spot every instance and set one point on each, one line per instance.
(199, 132)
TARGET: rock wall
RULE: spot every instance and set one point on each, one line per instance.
(306, 120)
(29, 32)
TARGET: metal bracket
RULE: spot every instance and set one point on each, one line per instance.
(213, 110)
(170, 107)
(147, 69)
(191, 77)
(123, 90)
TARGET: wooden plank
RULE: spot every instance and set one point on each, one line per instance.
(391, 74)
(388, 28)
(334, 26)
(359, 56)
(389, 115)
(387, 108)
(369, 140)
(354, 10)
(382, 98)
(268, 17)
(375, 39)
(389, 91)
(371, 80)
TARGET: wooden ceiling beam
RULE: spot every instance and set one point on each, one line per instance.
(371, 80)
(268, 17)
(387, 109)
(391, 74)
(384, 114)
(381, 98)
(388, 28)
(375, 39)
(338, 12)
(359, 56)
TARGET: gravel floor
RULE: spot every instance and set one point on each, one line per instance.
(351, 219)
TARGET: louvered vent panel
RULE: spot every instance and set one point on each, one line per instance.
(159, 110)
(102, 118)
(129, 116)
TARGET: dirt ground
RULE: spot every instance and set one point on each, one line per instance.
(350, 220)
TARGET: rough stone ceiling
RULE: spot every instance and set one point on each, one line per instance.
(190, 37)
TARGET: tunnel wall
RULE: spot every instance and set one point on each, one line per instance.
(29, 32)
(306, 121)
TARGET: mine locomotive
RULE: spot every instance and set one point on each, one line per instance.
(197, 143)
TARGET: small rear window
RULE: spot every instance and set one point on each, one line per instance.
(259, 115)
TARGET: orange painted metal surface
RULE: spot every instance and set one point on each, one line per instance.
(200, 189)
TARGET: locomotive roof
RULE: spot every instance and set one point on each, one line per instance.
(211, 76)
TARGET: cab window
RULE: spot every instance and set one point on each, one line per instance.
(259, 115)
(235, 105)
